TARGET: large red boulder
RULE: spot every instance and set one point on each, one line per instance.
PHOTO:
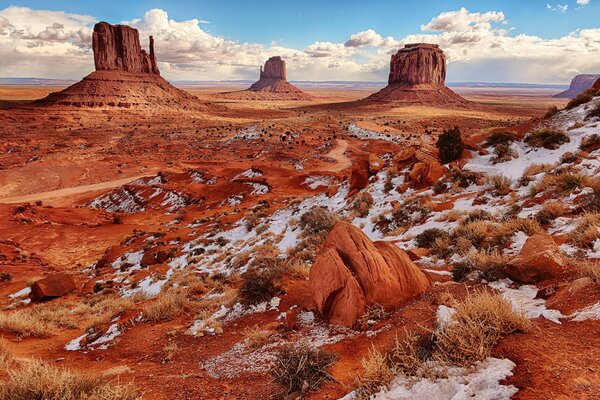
(354, 273)
(359, 177)
(539, 259)
(52, 286)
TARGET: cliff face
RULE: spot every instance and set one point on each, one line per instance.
(578, 85)
(117, 48)
(274, 69)
(418, 63)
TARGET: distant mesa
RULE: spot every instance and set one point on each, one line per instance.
(126, 76)
(417, 76)
(578, 85)
(272, 85)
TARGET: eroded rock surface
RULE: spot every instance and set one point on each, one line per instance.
(579, 84)
(539, 259)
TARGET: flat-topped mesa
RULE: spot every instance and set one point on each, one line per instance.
(117, 48)
(579, 84)
(418, 63)
(274, 69)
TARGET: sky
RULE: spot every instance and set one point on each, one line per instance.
(486, 41)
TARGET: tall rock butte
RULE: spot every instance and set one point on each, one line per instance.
(579, 84)
(418, 75)
(272, 85)
(126, 76)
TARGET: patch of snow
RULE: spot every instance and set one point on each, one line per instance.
(313, 182)
(444, 316)
(517, 242)
(21, 293)
(589, 312)
(523, 300)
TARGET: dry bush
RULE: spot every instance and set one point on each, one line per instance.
(307, 248)
(588, 269)
(298, 269)
(317, 220)
(442, 246)
(412, 211)
(568, 181)
(550, 211)
(528, 226)
(476, 232)
(362, 204)
(301, 367)
(429, 236)
(263, 280)
(580, 99)
(534, 169)
(503, 152)
(477, 215)
(587, 231)
(499, 184)
(547, 138)
(590, 142)
(255, 336)
(169, 304)
(451, 215)
(502, 137)
(477, 324)
(552, 111)
(373, 314)
(488, 264)
(31, 379)
(377, 375)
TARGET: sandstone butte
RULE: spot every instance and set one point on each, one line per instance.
(417, 76)
(126, 76)
(271, 85)
(579, 84)
(354, 273)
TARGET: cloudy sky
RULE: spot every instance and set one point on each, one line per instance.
(486, 40)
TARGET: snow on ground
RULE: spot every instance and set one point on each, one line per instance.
(590, 312)
(361, 133)
(523, 300)
(314, 182)
(101, 343)
(21, 293)
(481, 382)
(517, 242)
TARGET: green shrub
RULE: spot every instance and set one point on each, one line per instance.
(450, 145)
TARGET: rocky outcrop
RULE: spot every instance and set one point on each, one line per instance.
(117, 48)
(419, 63)
(272, 85)
(52, 286)
(354, 273)
(578, 85)
(539, 259)
(417, 76)
(125, 77)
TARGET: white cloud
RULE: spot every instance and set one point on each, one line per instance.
(561, 8)
(478, 46)
(583, 2)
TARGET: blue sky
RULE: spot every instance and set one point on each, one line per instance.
(299, 23)
(496, 41)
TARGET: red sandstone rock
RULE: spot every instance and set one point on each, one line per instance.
(417, 75)
(54, 285)
(117, 47)
(154, 257)
(596, 85)
(274, 69)
(579, 84)
(539, 259)
(353, 273)
(376, 164)
(359, 177)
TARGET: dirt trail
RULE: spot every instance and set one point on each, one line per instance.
(337, 153)
(58, 193)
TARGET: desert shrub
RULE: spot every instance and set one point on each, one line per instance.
(32, 379)
(377, 375)
(478, 322)
(318, 219)
(488, 264)
(256, 336)
(477, 215)
(263, 280)
(528, 226)
(590, 142)
(375, 313)
(503, 152)
(428, 237)
(499, 184)
(589, 269)
(476, 232)
(450, 145)
(552, 111)
(590, 202)
(362, 204)
(253, 219)
(570, 158)
(412, 211)
(301, 367)
(497, 138)
(169, 304)
(579, 100)
(550, 211)
(547, 138)
(442, 246)
(464, 178)
(587, 231)
(5, 277)
(307, 248)
(298, 269)
(568, 181)
(595, 113)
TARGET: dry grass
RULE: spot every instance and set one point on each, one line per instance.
(317, 220)
(587, 230)
(550, 211)
(169, 304)
(376, 376)
(256, 336)
(588, 269)
(299, 269)
(374, 314)
(478, 323)
(362, 204)
(499, 184)
(489, 265)
(32, 379)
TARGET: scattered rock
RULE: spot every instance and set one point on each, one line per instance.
(52, 286)
(539, 259)
(353, 273)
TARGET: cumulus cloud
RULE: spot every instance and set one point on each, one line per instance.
(561, 8)
(478, 46)
(583, 2)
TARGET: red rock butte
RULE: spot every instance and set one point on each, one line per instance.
(418, 75)
(579, 84)
(272, 85)
(126, 76)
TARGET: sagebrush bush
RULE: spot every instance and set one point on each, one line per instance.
(450, 145)
(428, 237)
(552, 111)
(499, 184)
(590, 142)
(362, 204)
(263, 280)
(547, 138)
(317, 220)
(587, 231)
(500, 138)
(580, 99)
(301, 367)
(550, 211)
(488, 264)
